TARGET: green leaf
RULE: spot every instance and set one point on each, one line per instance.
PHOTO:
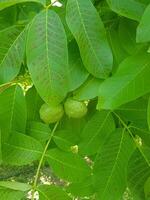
(147, 188)
(127, 8)
(12, 45)
(67, 165)
(127, 84)
(89, 32)
(34, 103)
(15, 185)
(135, 112)
(50, 192)
(144, 27)
(12, 111)
(88, 90)
(77, 72)
(111, 164)
(7, 3)
(8, 194)
(127, 34)
(38, 130)
(96, 132)
(148, 114)
(82, 189)
(139, 172)
(47, 55)
(21, 149)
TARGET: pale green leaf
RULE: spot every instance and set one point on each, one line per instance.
(12, 45)
(111, 164)
(7, 194)
(129, 82)
(51, 192)
(47, 55)
(67, 165)
(127, 8)
(89, 32)
(12, 111)
(21, 149)
(96, 132)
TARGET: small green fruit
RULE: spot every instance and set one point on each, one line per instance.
(74, 108)
(51, 114)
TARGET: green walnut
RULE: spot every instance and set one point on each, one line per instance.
(74, 108)
(51, 114)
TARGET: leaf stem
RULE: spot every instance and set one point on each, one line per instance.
(51, 4)
(41, 161)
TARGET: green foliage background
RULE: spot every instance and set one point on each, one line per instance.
(96, 51)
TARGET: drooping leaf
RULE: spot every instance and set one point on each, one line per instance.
(144, 27)
(77, 72)
(47, 55)
(38, 130)
(129, 82)
(12, 45)
(88, 90)
(21, 149)
(12, 111)
(7, 3)
(127, 8)
(96, 132)
(111, 164)
(88, 30)
(139, 166)
(67, 165)
(50, 192)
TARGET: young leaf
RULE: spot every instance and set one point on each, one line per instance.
(96, 132)
(127, 8)
(88, 90)
(111, 164)
(50, 192)
(12, 45)
(21, 149)
(88, 30)
(7, 3)
(139, 166)
(74, 167)
(144, 27)
(47, 55)
(130, 82)
(12, 111)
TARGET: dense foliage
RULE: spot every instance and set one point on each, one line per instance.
(74, 96)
